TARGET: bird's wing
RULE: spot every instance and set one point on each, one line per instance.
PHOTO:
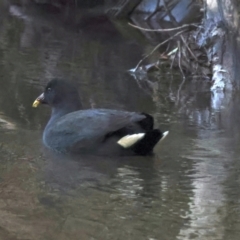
(91, 125)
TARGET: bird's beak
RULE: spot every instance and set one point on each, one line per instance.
(39, 99)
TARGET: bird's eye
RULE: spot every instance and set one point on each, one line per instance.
(49, 89)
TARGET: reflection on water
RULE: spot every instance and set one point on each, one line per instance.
(188, 190)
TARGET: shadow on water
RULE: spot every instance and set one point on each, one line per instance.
(188, 190)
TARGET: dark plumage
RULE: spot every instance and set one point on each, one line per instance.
(94, 131)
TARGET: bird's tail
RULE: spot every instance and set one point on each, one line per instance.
(142, 143)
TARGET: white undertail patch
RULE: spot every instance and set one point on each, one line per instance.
(129, 140)
(164, 135)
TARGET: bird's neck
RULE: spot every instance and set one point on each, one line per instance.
(63, 109)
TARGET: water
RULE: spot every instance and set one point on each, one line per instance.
(188, 190)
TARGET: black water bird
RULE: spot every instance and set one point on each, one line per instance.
(94, 131)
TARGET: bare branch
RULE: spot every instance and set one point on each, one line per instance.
(166, 29)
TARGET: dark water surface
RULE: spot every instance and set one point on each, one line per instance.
(188, 190)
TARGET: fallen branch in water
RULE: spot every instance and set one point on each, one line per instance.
(183, 52)
(159, 45)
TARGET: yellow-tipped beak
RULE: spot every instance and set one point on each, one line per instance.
(38, 100)
(36, 103)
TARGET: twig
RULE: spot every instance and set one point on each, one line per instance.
(154, 12)
(184, 41)
(174, 58)
(172, 18)
(180, 58)
(180, 88)
(159, 45)
(166, 29)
